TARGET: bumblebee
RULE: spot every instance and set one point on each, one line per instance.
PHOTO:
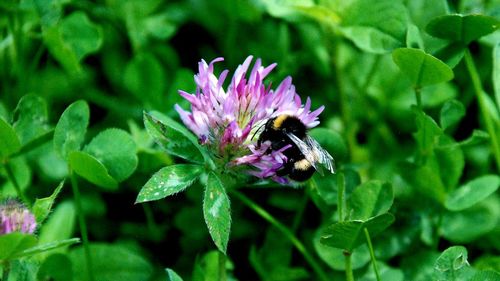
(305, 152)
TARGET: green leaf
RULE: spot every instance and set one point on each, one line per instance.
(207, 267)
(56, 267)
(331, 141)
(288, 10)
(91, 169)
(436, 95)
(425, 179)
(167, 181)
(376, 26)
(72, 39)
(462, 28)
(451, 113)
(50, 11)
(59, 226)
(423, 11)
(477, 137)
(486, 275)
(370, 199)
(450, 160)
(23, 270)
(472, 192)
(419, 266)
(31, 118)
(173, 137)
(335, 258)
(43, 206)
(10, 140)
(327, 185)
(413, 38)
(422, 69)
(348, 235)
(272, 261)
(15, 242)
(468, 225)
(144, 77)
(21, 172)
(172, 276)
(71, 127)
(116, 150)
(217, 212)
(452, 264)
(385, 272)
(110, 263)
(427, 133)
(496, 74)
(451, 54)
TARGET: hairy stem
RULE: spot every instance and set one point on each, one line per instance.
(348, 266)
(222, 267)
(285, 231)
(372, 254)
(340, 195)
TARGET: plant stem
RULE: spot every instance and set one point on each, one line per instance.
(83, 226)
(345, 103)
(286, 232)
(341, 195)
(418, 96)
(373, 70)
(222, 267)
(489, 122)
(5, 271)
(150, 221)
(372, 254)
(348, 266)
(13, 180)
(340, 203)
(300, 212)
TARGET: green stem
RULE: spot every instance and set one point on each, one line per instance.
(345, 105)
(341, 195)
(5, 271)
(348, 266)
(372, 254)
(418, 96)
(18, 54)
(150, 221)
(222, 267)
(373, 70)
(13, 180)
(83, 225)
(286, 232)
(300, 212)
(341, 207)
(489, 122)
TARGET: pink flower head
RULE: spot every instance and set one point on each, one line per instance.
(14, 216)
(226, 119)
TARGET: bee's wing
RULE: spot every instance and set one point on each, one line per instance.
(323, 157)
(305, 149)
(260, 125)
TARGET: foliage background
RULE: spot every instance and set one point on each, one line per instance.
(126, 57)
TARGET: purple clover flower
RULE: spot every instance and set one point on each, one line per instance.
(226, 120)
(14, 216)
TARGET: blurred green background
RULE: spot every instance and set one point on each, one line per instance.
(126, 57)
